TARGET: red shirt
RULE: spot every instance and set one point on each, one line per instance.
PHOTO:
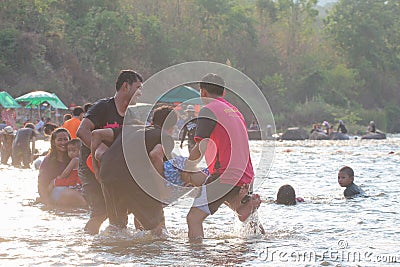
(71, 180)
(228, 152)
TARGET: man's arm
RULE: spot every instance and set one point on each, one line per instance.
(206, 123)
(85, 132)
(100, 136)
(196, 155)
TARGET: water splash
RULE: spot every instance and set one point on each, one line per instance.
(251, 228)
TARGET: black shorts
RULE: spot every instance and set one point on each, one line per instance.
(93, 194)
(91, 187)
(127, 197)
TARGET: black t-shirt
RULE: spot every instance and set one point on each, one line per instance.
(113, 165)
(103, 114)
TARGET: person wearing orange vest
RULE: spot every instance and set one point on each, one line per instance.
(72, 124)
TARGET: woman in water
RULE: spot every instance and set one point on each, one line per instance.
(52, 166)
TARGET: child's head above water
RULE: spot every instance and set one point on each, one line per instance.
(345, 176)
(286, 195)
(74, 146)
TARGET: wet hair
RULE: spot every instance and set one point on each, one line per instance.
(75, 142)
(348, 170)
(53, 151)
(30, 125)
(213, 84)
(286, 195)
(77, 111)
(161, 114)
(128, 76)
(87, 106)
(67, 117)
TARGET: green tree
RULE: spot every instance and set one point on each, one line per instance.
(8, 43)
(368, 33)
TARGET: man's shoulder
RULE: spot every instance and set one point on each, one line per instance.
(100, 108)
(206, 112)
(102, 102)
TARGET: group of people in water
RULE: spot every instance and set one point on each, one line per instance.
(87, 163)
(112, 189)
(328, 129)
(287, 195)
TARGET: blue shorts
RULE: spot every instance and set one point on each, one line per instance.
(173, 167)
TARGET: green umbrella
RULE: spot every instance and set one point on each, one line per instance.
(181, 94)
(58, 104)
(37, 98)
(6, 101)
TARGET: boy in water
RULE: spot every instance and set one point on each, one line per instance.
(346, 179)
(69, 177)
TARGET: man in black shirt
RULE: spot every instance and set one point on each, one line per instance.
(105, 113)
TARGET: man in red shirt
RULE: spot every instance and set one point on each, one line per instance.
(221, 136)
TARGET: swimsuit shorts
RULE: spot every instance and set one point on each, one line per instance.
(214, 194)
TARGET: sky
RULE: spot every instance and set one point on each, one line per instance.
(324, 2)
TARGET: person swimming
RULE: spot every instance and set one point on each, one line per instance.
(346, 179)
(287, 196)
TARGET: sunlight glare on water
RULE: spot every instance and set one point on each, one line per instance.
(31, 235)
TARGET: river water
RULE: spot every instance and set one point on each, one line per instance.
(325, 230)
